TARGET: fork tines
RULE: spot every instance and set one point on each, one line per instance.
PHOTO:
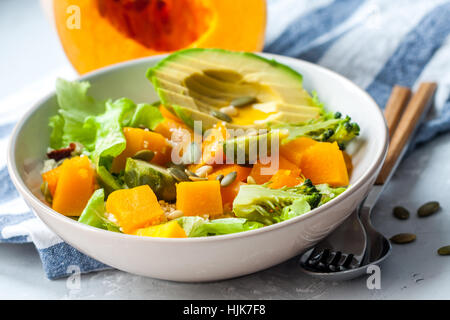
(325, 260)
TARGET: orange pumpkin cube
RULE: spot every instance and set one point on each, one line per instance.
(168, 126)
(230, 192)
(135, 208)
(75, 185)
(324, 163)
(170, 229)
(285, 178)
(199, 198)
(242, 172)
(294, 149)
(140, 139)
(51, 177)
(262, 173)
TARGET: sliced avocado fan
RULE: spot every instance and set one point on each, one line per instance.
(195, 82)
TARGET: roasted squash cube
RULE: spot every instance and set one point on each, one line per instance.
(135, 208)
(324, 163)
(199, 198)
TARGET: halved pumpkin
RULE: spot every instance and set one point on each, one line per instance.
(96, 33)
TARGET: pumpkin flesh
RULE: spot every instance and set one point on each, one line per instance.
(112, 31)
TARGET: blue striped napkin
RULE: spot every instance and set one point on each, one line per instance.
(375, 43)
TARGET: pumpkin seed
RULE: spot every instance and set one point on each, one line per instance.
(251, 180)
(242, 101)
(178, 174)
(428, 209)
(174, 165)
(401, 213)
(196, 178)
(228, 179)
(146, 155)
(444, 251)
(175, 214)
(190, 173)
(403, 238)
(220, 177)
(230, 111)
(204, 171)
(221, 116)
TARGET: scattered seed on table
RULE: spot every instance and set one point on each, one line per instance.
(403, 238)
(444, 251)
(400, 213)
(428, 209)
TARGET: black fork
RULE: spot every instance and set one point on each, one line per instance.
(342, 250)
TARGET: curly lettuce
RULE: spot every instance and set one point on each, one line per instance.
(200, 227)
(97, 125)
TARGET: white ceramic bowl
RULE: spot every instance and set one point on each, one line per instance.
(208, 258)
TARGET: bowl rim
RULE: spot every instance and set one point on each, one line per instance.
(43, 208)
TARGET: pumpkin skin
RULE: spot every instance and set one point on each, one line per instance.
(112, 31)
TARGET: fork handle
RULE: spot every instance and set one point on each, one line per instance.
(395, 106)
(411, 117)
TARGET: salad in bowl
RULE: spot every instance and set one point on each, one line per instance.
(235, 143)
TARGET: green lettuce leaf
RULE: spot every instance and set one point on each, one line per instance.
(94, 213)
(76, 107)
(329, 193)
(146, 115)
(268, 206)
(297, 208)
(200, 227)
(96, 125)
(109, 139)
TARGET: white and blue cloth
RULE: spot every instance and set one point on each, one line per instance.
(375, 43)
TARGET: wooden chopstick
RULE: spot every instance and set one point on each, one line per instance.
(395, 106)
(415, 110)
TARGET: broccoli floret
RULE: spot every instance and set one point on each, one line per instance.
(328, 128)
(328, 193)
(262, 204)
(268, 206)
(307, 188)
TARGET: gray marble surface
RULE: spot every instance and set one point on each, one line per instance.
(414, 271)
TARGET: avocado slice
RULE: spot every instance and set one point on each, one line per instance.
(198, 81)
(138, 172)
